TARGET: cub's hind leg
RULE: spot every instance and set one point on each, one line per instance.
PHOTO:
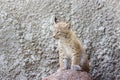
(84, 62)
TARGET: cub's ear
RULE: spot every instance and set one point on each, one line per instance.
(55, 20)
(68, 26)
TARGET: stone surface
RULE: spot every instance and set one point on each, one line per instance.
(69, 75)
(28, 51)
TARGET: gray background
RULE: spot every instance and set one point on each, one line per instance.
(28, 51)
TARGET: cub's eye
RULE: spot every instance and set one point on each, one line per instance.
(58, 31)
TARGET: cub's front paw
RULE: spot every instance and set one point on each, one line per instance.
(60, 69)
(76, 67)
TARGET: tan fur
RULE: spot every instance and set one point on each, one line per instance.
(71, 52)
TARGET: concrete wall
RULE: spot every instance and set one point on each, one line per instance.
(28, 51)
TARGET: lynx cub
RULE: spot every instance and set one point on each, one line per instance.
(71, 52)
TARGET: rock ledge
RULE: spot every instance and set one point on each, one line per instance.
(68, 75)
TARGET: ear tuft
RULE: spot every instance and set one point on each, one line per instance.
(68, 25)
(56, 20)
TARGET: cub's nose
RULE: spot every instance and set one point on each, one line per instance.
(54, 36)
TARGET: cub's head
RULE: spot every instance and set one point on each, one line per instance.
(61, 29)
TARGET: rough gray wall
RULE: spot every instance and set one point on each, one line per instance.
(28, 51)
